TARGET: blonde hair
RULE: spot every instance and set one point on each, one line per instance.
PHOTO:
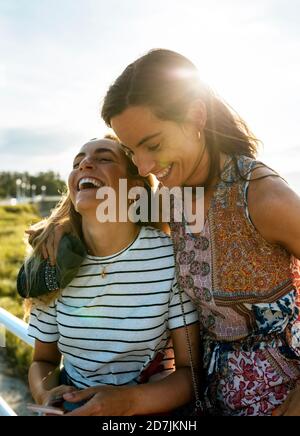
(63, 213)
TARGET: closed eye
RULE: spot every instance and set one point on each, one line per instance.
(100, 159)
(154, 147)
(76, 165)
(104, 159)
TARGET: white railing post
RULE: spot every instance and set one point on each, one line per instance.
(15, 326)
(5, 409)
(19, 328)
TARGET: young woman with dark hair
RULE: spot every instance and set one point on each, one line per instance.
(241, 270)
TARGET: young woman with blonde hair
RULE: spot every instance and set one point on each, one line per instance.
(118, 324)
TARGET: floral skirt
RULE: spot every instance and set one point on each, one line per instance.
(243, 380)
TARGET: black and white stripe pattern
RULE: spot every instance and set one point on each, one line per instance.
(109, 329)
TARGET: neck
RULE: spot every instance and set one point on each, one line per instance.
(200, 175)
(107, 239)
(201, 170)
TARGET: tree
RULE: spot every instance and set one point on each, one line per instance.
(29, 184)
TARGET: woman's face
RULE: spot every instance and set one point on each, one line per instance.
(99, 163)
(169, 150)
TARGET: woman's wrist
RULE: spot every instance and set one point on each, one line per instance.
(41, 397)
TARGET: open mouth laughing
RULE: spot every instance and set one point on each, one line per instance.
(86, 183)
(164, 174)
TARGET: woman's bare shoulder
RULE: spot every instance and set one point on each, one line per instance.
(273, 206)
(267, 187)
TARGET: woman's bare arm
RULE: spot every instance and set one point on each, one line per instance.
(44, 373)
(275, 211)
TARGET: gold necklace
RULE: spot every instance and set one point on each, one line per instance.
(103, 272)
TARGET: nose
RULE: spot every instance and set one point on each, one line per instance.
(86, 163)
(145, 166)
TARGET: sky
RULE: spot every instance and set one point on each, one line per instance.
(58, 57)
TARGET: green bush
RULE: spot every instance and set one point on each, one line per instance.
(14, 220)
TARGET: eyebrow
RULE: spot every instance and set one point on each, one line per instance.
(146, 138)
(98, 151)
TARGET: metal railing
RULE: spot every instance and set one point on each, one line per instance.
(18, 328)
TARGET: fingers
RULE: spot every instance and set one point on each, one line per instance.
(49, 249)
(56, 396)
(86, 410)
(31, 235)
(44, 252)
(64, 390)
(76, 397)
(90, 408)
(30, 232)
(59, 232)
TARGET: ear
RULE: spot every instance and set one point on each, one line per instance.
(197, 114)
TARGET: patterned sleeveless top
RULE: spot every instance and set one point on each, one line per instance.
(246, 291)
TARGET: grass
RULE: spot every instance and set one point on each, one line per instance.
(13, 222)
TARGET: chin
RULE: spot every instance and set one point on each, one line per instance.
(172, 182)
(169, 184)
(85, 206)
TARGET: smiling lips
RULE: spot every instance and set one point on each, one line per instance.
(164, 173)
(92, 183)
(88, 183)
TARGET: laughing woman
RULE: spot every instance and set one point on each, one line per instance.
(241, 270)
(115, 323)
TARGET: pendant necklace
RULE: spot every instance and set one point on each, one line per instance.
(103, 272)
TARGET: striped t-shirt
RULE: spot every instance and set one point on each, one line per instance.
(109, 328)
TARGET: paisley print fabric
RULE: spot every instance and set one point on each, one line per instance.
(247, 295)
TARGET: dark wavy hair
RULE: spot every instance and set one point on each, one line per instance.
(168, 83)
